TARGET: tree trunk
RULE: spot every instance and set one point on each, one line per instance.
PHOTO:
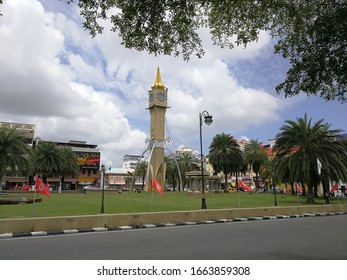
(310, 198)
(292, 187)
(315, 190)
(256, 181)
(303, 189)
(325, 185)
(143, 182)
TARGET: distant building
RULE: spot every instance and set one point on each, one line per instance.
(88, 158)
(341, 136)
(130, 161)
(28, 130)
(122, 179)
(242, 143)
(188, 150)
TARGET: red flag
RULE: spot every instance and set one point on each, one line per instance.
(335, 188)
(26, 188)
(244, 186)
(157, 187)
(42, 188)
(298, 188)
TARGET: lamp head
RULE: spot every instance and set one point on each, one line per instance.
(102, 167)
(208, 119)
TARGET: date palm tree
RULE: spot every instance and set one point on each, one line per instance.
(141, 171)
(283, 172)
(171, 172)
(306, 145)
(255, 156)
(186, 162)
(49, 159)
(14, 151)
(225, 155)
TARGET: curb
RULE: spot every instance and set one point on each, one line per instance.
(148, 226)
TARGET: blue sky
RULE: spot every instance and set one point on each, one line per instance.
(74, 87)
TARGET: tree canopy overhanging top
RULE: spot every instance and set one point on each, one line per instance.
(311, 34)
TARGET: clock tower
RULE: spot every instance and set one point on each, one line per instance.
(157, 108)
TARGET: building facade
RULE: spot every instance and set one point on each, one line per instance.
(130, 161)
(88, 159)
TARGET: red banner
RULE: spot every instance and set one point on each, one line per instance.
(42, 187)
(244, 186)
(298, 188)
(157, 187)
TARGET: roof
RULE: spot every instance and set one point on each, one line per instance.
(116, 170)
(158, 83)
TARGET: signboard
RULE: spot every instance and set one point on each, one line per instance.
(116, 180)
(88, 160)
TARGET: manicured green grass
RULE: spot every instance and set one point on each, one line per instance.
(74, 203)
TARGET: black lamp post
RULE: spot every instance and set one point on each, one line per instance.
(208, 120)
(102, 211)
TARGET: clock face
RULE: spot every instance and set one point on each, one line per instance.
(161, 97)
(151, 98)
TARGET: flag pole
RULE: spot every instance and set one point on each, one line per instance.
(152, 201)
(238, 194)
(147, 174)
(33, 208)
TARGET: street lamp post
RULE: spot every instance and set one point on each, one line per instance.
(102, 211)
(208, 120)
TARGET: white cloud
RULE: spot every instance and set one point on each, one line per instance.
(75, 87)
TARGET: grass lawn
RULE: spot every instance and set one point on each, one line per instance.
(75, 203)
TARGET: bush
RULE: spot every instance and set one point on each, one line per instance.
(15, 201)
(31, 200)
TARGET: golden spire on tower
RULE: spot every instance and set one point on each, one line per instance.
(158, 83)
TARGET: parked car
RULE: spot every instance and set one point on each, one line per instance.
(89, 187)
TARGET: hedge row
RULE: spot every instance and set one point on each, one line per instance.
(28, 201)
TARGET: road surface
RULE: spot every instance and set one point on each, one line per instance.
(312, 238)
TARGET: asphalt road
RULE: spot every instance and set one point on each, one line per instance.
(311, 238)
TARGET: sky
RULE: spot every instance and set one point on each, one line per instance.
(71, 86)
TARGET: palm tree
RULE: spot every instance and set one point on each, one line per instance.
(70, 166)
(141, 171)
(186, 162)
(281, 168)
(14, 151)
(304, 144)
(225, 155)
(255, 156)
(171, 173)
(49, 159)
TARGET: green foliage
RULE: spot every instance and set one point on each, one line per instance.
(141, 171)
(225, 154)
(255, 156)
(172, 173)
(312, 34)
(13, 151)
(186, 162)
(301, 144)
(49, 159)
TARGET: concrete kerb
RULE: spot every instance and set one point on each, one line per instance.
(89, 223)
